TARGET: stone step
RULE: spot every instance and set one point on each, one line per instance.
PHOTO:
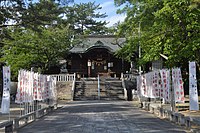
(87, 89)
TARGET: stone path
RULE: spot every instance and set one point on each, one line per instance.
(100, 117)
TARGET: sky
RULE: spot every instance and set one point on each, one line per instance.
(109, 8)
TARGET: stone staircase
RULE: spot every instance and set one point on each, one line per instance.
(110, 89)
(86, 89)
(113, 90)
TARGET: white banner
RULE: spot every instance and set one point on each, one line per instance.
(165, 84)
(144, 86)
(178, 85)
(139, 85)
(33, 86)
(5, 105)
(18, 98)
(194, 102)
(39, 88)
(52, 93)
(156, 85)
(150, 87)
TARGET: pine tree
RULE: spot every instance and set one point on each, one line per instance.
(83, 18)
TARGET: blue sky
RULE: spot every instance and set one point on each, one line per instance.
(109, 8)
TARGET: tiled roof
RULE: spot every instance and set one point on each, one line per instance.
(102, 41)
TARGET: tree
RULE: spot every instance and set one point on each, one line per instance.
(23, 32)
(28, 48)
(29, 15)
(167, 27)
(10, 10)
(83, 18)
(23, 12)
(44, 13)
(112, 30)
(170, 28)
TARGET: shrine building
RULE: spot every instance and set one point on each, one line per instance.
(96, 55)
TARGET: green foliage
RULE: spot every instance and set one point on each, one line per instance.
(42, 14)
(28, 48)
(112, 30)
(10, 10)
(32, 34)
(83, 19)
(167, 27)
(30, 13)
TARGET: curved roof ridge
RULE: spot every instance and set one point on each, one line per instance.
(98, 40)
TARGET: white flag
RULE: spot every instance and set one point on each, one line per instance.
(165, 84)
(18, 93)
(194, 102)
(5, 105)
(39, 88)
(52, 93)
(144, 86)
(30, 86)
(139, 85)
(178, 85)
(155, 84)
(35, 84)
(149, 84)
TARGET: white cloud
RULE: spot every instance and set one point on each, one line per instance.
(114, 19)
(106, 4)
(108, 8)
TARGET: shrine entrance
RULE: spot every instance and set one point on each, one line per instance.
(99, 59)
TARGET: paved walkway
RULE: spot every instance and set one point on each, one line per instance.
(100, 117)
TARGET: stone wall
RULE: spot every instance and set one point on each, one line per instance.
(64, 90)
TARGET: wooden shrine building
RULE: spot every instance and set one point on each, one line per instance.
(95, 55)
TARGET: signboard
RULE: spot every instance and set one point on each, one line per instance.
(89, 63)
(194, 104)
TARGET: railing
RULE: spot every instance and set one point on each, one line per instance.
(28, 118)
(8, 126)
(127, 76)
(73, 86)
(64, 77)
